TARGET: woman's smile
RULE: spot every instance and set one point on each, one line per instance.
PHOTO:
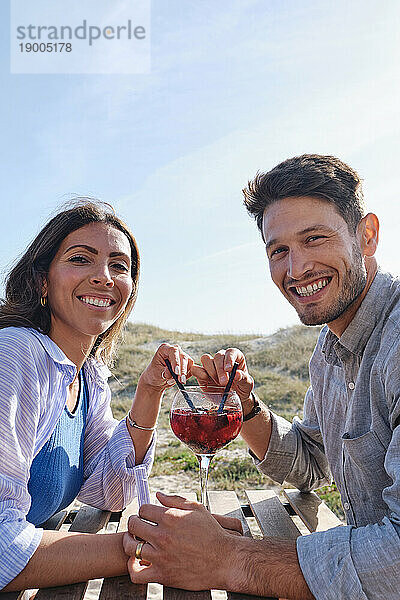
(92, 301)
(89, 283)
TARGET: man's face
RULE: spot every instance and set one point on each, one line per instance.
(313, 258)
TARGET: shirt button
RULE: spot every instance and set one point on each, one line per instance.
(346, 506)
(351, 385)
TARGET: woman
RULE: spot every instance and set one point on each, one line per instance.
(67, 300)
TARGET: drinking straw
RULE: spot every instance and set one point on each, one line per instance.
(228, 387)
(180, 386)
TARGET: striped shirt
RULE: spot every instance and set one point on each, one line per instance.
(34, 379)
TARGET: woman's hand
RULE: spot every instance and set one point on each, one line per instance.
(215, 371)
(149, 392)
(157, 374)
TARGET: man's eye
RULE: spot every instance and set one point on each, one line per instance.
(314, 238)
(277, 251)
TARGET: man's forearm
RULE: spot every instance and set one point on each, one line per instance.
(267, 567)
(257, 431)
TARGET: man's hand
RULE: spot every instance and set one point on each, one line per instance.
(215, 371)
(187, 547)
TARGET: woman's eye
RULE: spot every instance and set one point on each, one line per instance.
(120, 267)
(78, 259)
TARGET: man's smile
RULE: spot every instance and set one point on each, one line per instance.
(314, 289)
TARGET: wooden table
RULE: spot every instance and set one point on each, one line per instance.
(275, 518)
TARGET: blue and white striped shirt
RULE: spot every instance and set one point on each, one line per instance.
(34, 379)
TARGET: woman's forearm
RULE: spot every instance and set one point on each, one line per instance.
(63, 557)
(144, 411)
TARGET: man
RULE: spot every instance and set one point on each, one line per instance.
(320, 246)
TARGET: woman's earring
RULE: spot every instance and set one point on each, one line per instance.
(43, 300)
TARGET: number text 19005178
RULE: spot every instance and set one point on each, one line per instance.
(45, 47)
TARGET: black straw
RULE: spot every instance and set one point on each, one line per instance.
(228, 387)
(180, 385)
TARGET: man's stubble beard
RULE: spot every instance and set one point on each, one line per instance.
(353, 285)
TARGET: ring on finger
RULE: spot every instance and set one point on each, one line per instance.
(163, 376)
(138, 551)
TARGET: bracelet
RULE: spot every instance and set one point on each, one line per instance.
(134, 424)
(254, 411)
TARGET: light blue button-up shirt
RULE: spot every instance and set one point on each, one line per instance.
(350, 430)
(34, 379)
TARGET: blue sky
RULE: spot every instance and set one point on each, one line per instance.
(234, 87)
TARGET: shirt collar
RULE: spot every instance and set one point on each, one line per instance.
(96, 370)
(357, 333)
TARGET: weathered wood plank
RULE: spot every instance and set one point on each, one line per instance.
(56, 520)
(66, 592)
(227, 503)
(175, 594)
(271, 515)
(121, 588)
(11, 595)
(90, 520)
(314, 513)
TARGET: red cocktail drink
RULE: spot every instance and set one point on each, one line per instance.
(206, 419)
(206, 431)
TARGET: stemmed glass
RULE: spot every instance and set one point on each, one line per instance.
(199, 421)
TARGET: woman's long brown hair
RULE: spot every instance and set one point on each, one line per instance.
(21, 306)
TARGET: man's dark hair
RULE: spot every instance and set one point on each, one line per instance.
(324, 177)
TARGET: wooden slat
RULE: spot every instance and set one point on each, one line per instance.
(272, 518)
(56, 520)
(66, 592)
(227, 503)
(121, 588)
(271, 515)
(176, 594)
(314, 513)
(88, 520)
(11, 595)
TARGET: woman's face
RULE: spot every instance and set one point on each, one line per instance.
(89, 284)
